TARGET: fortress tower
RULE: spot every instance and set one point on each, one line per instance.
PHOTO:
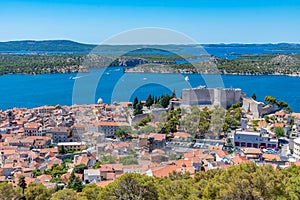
(202, 96)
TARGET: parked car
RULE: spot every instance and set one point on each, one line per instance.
(236, 149)
(269, 150)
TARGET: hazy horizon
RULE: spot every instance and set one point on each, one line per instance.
(221, 43)
(207, 22)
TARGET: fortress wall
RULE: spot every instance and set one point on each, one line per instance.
(252, 106)
(156, 114)
(211, 96)
(269, 109)
(232, 96)
(186, 96)
(197, 96)
(136, 119)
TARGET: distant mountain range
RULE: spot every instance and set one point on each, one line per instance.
(67, 45)
(46, 45)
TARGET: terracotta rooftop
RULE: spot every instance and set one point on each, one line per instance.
(121, 145)
(181, 134)
(251, 151)
(270, 157)
(163, 171)
(111, 167)
(83, 159)
(104, 183)
(281, 125)
(65, 177)
(280, 113)
(296, 115)
(32, 125)
(239, 159)
(44, 178)
(222, 153)
(100, 123)
(157, 136)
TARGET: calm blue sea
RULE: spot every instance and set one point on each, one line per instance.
(113, 84)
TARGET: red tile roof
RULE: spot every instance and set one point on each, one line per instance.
(121, 145)
(270, 157)
(44, 178)
(280, 113)
(100, 123)
(111, 167)
(157, 136)
(281, 125)
(65, 177)
(182, 134)
(32, 125)
(164, 171)
(239, 159)
(104, 183)
(83, 159)
(222, 153)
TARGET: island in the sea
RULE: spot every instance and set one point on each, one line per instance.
(42, 57)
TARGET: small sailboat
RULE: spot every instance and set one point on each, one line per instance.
(74, 77)
(186, 78)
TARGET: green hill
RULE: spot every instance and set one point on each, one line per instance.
(46, 45)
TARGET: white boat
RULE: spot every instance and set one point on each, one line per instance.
(73, 78)
(186, 78)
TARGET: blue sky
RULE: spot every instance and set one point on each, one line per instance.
(206, 21)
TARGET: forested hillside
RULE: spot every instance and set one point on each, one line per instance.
(244, 181)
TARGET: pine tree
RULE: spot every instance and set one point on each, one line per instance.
(135, 102)
(138, 109)
(61, 150)
(253, 96)
(75, 183)
(173, 94)
(149, 101)
(22, 183)
(155, 100)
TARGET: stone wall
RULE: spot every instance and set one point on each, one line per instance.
(156, 112)
(257, 109)
(136, 119)
(202, 96)
(252, 106)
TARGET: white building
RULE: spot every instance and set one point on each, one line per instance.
(91, 176)
(133, 169)
(253, 139)
(296, 152)
(76, 146)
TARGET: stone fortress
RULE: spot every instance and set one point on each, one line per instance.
(202, 96)
(222, 97)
